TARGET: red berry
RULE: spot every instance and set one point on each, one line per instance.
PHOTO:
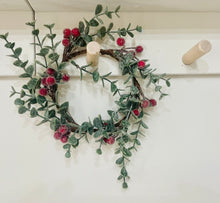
(111, 140)
(50, 71)
(43, 81)
(145, 104)
(43, 91)
(57, 135)
(66, 33)
(136, 112)
(50, 81)
(105, 124)
(64, 139)
(65, 42)
(63, 129)
(66, 77)
(105, 140)
(75, 32)
(153, 102)
(139, 49)
(120, 41)
(141, 64)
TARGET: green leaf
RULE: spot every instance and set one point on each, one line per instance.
(95, 76)
(53, 56)
(32, 24)
(17, 63)
(33, 112)
(168, 83)
(24, 64)
(124, 185)
(66, 146)
(124, 172)
(108, 14)
(130, 34)
(110, 27)
(40, 99)
(73, 140)
(54, 124)
(87, 30)
(117, 9)
(24, 75)
(62, 66)
(49, 26)
(158, 88)
(22, 93)
(4, 36)
(99, 151)
(18, 102)
(102, 31)
(18, 51)
(51, 113)
(113, 87)
(67, 154)
(81, 26)
(44, 51)
(139, 28)
(126, 152)
(119, 160)
(137, 142)
(22, 109)
(42, 122)
(30, 70)
(144, 125)
(35, 32)
(98, 9)
(97, 122)
(98, 133)
(120, 177)
(111, 37)
(63, 108)
(32, 83)
(94, 23)
(134, 133)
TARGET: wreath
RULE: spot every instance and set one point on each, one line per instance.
(40, 98)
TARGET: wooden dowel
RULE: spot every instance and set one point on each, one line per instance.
(203, 47)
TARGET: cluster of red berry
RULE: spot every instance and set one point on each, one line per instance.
(68, 34)
(138, 49)
(145, 103)
(62, 133)
(50, 80)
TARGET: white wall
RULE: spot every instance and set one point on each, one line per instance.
(178, 160)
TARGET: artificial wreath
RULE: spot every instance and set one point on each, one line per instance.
(40, 98)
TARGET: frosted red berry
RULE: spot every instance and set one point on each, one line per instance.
(145, 104)
(50, 71)
(139, 49)
(136, 112)
(120, 41)
(63, 129)
(43, 81)
(153, 102)
(50, 81)
(105, 140)
(65, 42)
(64, 139)
(43, 91)
(57, 135)
(66, 33)
(111, 140)
(75, 32)
(65, 77)
(141, 64)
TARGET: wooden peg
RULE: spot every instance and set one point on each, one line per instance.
(203, 47)
(93, 50)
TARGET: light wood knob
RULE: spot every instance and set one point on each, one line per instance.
(93, 50)
(203, 47)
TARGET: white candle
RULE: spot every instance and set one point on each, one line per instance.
(93, 50)
(203, 47)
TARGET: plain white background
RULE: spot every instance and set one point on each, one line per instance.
(178, 160)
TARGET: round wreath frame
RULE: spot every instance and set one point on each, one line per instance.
(130, 104)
